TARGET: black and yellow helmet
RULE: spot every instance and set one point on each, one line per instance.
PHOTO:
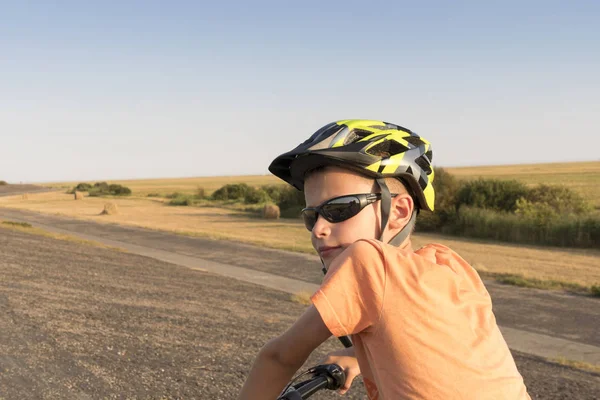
(376, 149)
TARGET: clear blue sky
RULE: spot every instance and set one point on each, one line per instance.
(135, 89)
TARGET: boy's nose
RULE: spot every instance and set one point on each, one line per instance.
(322, 227)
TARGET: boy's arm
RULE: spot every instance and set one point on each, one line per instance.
(281, 357)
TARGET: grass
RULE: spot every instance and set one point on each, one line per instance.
(547, 284)
(576, 364)
(301, 298)
(17, 224)
(28, 228)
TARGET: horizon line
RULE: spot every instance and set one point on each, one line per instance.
(267, 174)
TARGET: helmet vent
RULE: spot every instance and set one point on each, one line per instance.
(414, 140)
(381, 127)
(387, 148)
(361, 133)
(323, 133)
(429, 155)
(355, 135)
(389, 126)
(424, 164)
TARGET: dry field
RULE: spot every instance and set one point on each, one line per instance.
(163, 187)
(569, 265)
(580, 176)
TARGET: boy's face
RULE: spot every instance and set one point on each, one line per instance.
(330, 239)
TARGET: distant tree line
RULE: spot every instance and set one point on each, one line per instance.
(102, 189)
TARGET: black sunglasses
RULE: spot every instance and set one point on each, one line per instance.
(339, 208)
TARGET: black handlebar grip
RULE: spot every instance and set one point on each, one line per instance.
(345, 341)
(293, 395)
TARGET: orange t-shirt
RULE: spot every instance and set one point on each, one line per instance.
(421, 322)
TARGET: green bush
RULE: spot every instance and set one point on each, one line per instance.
(2, 183)
(274, 192)
(511, 212)
(101, 186)
(595, 290)
(243, 192)
(541, 213)
(446, 189)
(293, 212)
(104, 189)
(559, 198)
(95, 192)
(220, 194)
(182, 200)
(435, 221)
(236, 191)
(291, 202)
(492, 194)
(174, 195)
(83, 187)
(565, 231)
(118, 190)
(124, 191)
(256, 196)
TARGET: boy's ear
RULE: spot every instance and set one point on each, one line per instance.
(401, 211)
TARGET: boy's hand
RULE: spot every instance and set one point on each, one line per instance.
(347, 361)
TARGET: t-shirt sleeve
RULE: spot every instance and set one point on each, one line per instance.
(350, 298)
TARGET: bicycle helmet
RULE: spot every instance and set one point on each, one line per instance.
(376, 149)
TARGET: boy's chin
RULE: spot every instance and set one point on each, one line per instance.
(328, 259)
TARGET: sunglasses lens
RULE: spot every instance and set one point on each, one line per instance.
(310, 218)
(338, 210)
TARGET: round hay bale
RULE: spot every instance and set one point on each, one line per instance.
(110, 209)
(78, 195)
(271, 211)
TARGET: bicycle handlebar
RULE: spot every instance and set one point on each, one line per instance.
(329, 376)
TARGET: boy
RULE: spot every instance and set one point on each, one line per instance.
(421, 321)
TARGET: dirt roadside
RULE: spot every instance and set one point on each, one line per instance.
(14, 190)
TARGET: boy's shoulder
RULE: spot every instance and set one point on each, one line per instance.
(371, 246)
(372, 250)
(364, 249)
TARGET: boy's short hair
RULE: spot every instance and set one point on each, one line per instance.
(395, 185)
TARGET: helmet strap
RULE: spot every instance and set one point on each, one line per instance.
(386, 205)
